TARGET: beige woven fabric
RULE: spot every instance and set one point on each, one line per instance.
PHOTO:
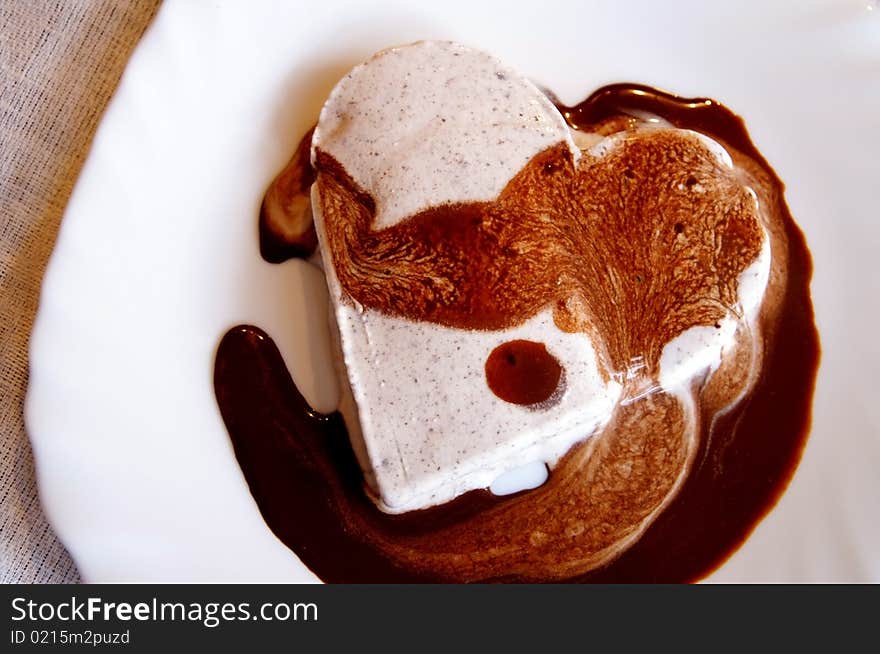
(59, 64)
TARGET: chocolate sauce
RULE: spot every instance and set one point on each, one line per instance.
(286, 228)
(304, 477)
(523, 372)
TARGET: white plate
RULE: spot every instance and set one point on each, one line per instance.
(158, 254)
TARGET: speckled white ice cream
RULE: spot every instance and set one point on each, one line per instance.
(419, 126)
(435, 122)
(432, 428)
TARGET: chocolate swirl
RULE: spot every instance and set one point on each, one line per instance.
(633, 247)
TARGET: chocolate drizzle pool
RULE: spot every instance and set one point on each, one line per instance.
(303, 474)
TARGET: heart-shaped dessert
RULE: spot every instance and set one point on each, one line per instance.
(458, 216)
(509, 289)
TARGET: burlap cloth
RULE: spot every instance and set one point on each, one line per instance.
(59, 64)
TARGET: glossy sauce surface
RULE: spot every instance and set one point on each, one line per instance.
(304, 477)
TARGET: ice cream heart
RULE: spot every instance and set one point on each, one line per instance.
(501, 292)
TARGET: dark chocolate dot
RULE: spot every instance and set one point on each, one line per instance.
(691, 181)
(629, 174)
(678, 227)
(523, 372)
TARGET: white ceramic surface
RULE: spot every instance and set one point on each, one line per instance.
(157, 255)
